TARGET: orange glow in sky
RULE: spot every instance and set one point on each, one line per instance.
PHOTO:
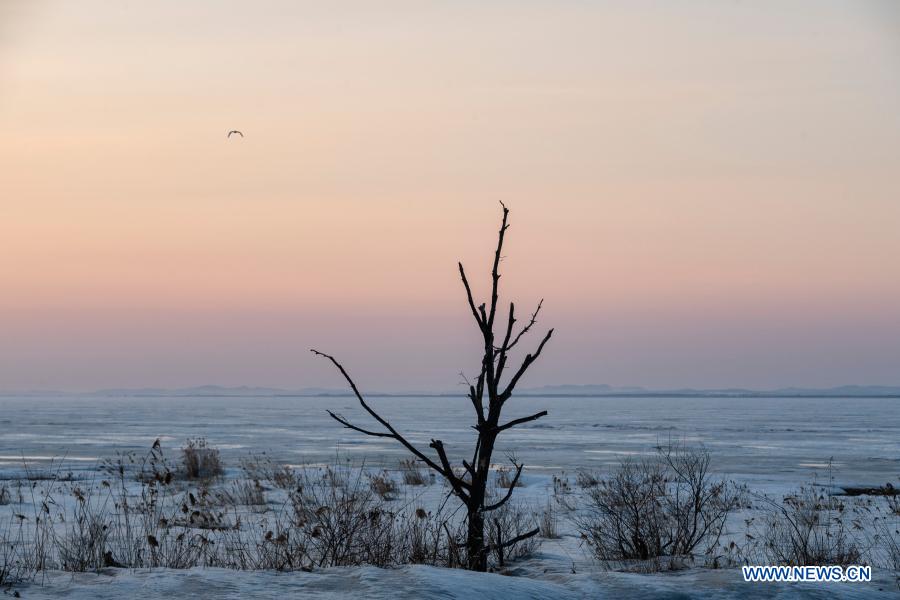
(705, 193)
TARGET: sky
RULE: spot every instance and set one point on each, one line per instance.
(705, 193)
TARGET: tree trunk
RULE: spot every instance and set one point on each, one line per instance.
(475, 550)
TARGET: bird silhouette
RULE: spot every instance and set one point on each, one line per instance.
(235, 131)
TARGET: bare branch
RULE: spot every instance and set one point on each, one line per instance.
(509, 326)
(378, 418)
(462, 273)
(530, 358)
(520, 538)
(507, 345)
(515, 422)
(495, 274)
(528, 327)
(457, 482)
(509, 492)
(350, 425)
(501, 363)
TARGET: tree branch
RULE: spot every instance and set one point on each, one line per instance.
(528, 327)
(520, 538)
(457, 483)
(377, 417)
(515, 422)
(530, 358)
(462, 273)
(350, 425)
(509, 492)
(495, 273)
(501, 363)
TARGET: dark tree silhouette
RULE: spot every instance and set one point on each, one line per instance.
(488, 395)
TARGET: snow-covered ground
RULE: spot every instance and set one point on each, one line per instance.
(771, 445)
(415, 582)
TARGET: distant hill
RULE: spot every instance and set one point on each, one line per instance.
(220, 391)
(562, 390)
(857, 391)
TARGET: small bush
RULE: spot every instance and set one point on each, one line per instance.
(201, 461)
(586, 479)
(5, 495)
(383, 485)
(506, 524)
(663, 507)
(261, 468)
(413, 473)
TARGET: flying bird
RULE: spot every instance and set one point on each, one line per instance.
(235, 131)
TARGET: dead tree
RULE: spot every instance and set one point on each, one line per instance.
(488, 394)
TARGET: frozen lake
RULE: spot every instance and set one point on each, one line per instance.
(766, 441)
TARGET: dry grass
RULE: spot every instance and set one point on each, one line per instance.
(201, 461)
(893, 503)
(810, 527)
(248, 493)
(260, 467)
(383, 485)
(548, 523)
(144, 516)
(413, 473)
(505, 478)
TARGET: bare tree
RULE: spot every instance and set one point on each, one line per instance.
(488, 395)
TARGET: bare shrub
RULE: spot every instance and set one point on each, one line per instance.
(383, 485)
(5, 495)
(413, 473)
(261, 468)
(200, 460)
(809, 528)
(510, 535)
(586, 479)
(668, 506)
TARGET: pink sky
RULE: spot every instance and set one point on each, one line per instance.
(705, 193)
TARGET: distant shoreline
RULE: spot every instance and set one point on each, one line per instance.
(447, 395)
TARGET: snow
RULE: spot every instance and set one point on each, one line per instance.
(418, 581)
(771, 444)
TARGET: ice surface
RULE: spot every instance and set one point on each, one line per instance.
(770, 442)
